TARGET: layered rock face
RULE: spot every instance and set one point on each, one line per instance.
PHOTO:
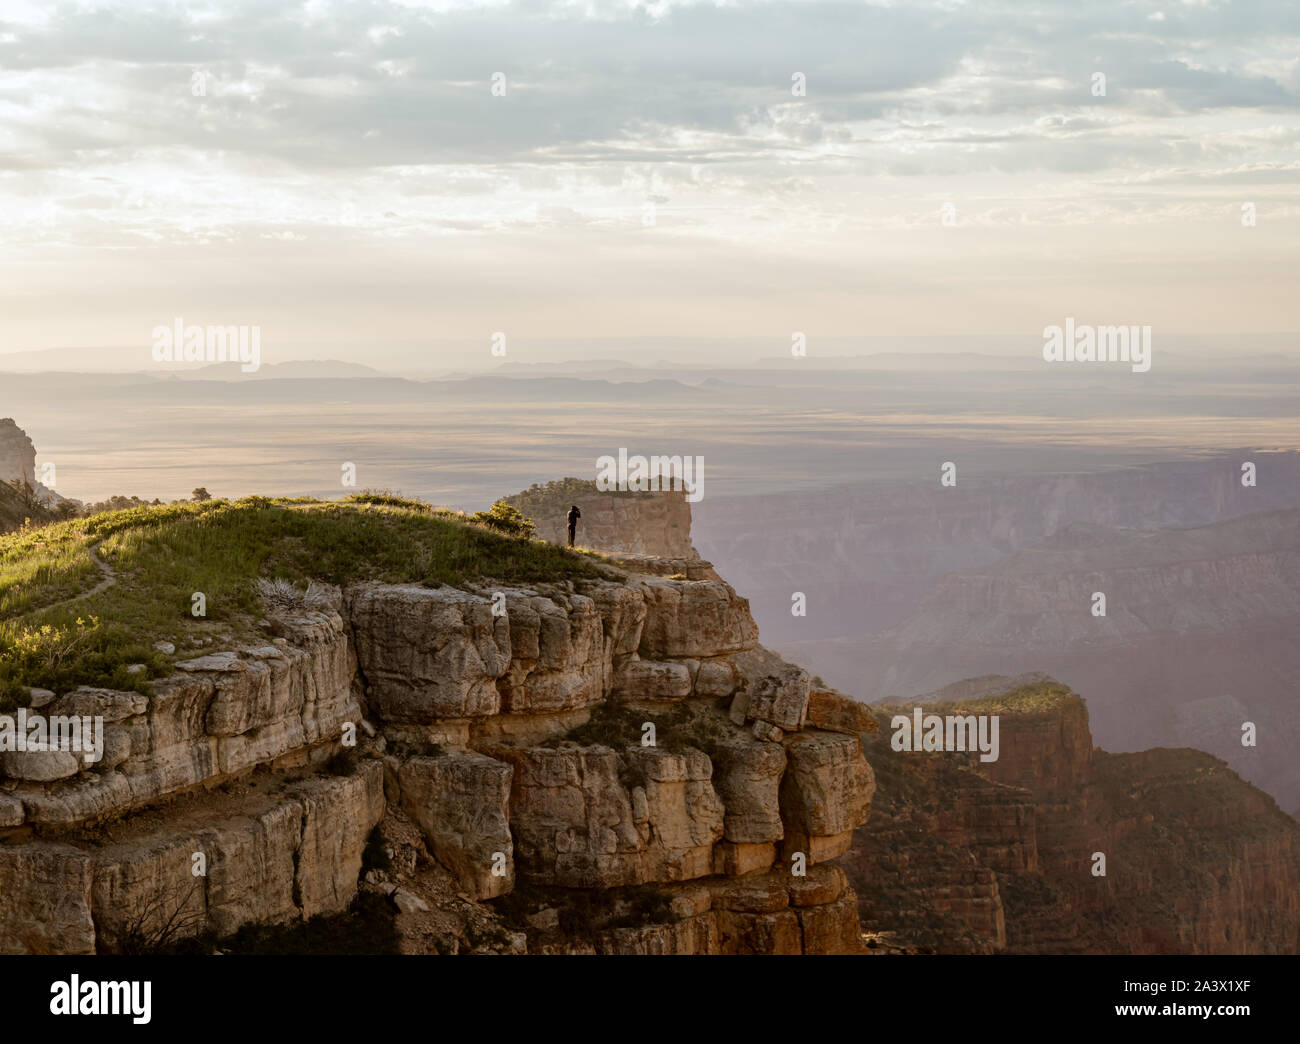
(653, 524)
(625, 739)
(964, 856)
(165, 828)
(619, 749)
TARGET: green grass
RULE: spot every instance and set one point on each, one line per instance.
(163, 555)
(1036, 698)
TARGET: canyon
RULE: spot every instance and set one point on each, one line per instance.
(910, 588)
(615, 765)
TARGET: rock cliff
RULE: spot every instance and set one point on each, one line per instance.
(653, 524)
(970, 857)
(610, 765)
(22, 498)
(17, 454)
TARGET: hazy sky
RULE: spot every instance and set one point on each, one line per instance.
(344, 171)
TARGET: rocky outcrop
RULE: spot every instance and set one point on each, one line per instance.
(621, 750)
(217, 717)
(22, 498)
(969, 856)
(657, 525)
(628, 739)
(579, 825)
(212, 865)
(17, 454)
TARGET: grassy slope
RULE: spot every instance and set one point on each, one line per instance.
(163, 555)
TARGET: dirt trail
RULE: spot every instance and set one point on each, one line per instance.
(109, 579)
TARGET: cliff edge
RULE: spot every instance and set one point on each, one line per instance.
(572, 755)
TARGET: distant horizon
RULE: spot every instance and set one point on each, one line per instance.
(397, 357)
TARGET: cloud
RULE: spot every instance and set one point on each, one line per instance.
(371, 127)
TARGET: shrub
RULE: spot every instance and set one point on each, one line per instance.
(375, 855)
(507, 519)
(344, 763)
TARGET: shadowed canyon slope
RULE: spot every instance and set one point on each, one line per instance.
(970, 857)
(912, 588)
(1201, 636)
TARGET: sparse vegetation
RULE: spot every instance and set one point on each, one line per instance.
(367, 928)
(344, 763)
(161, 920)
(1037, 698)
(584, 913)
(546, 495)
(678, 729)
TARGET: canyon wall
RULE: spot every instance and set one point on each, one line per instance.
(868, 556)
(1201, 634)
(972, 857)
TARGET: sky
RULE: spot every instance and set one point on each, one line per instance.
(433, 173)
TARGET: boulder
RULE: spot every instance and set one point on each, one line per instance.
(826, 790)
(747, 776)
(39, 766)
(835, 712)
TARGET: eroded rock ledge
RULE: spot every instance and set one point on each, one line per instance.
(627, 741)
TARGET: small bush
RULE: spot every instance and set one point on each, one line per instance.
(501, 516)
(344, 763)
(375, 855)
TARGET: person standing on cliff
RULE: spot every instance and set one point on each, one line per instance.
(574, 515)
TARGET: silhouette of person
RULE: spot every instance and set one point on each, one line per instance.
(574, 515)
